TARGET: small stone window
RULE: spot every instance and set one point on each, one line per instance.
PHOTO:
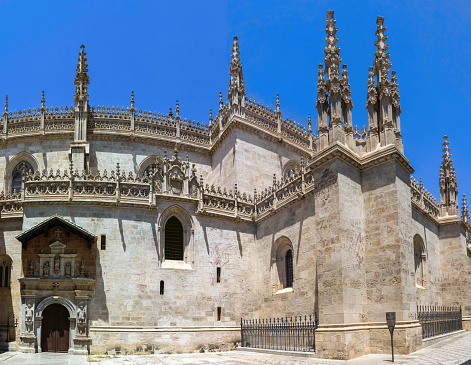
(289, 268)
(218, 275)
(103, 242)
(162, 287)
(17, 176)
(5, 270)
(173, 240)
(219, 311)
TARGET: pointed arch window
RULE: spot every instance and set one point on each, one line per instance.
(174, 239)
(17, 176)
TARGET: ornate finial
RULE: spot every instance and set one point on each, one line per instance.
(321, 87)
(381, 62)
(81, 78)
(371, 94)
(117, 169)
(170, 114)
(236, 92)
(210, 116)
(177, 109)
(43, 102)
(132, 99)
(346, 93)
(395, 91)
(464, 210)
(235, 52)
(277, 103)
(309, 123)
(71, 168)
(448, 183)
(220, 101)
(332, 51)
(6, 104)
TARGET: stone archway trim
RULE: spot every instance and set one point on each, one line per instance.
(56, 300)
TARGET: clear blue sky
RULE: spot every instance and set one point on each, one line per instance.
(166, 51)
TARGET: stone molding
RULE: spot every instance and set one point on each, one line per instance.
(164, 329)
(344, 327)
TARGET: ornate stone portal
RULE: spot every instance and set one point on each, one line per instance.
(61, 277)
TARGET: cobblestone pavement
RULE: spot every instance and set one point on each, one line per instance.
(453, 351)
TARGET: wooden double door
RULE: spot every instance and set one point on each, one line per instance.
(55, 329)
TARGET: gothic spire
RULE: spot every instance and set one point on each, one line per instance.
(132, 100)
(447, 183)
(81, 78)
(332, 51)
(43, 102)
(236, 94)
(381, 62)
(81, 97)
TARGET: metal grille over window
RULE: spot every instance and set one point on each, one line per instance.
(289, 269)
(173, 240)
(17, 176)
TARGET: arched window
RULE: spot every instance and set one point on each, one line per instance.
(5, 269)
(282, 264)
(173, 240)
(289, 268)
(17, 176)
(419, 260)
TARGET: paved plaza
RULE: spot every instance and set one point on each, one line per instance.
(453, 351)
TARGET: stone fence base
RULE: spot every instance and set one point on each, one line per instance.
(140, 340)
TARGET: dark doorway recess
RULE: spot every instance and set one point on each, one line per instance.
(55, 329)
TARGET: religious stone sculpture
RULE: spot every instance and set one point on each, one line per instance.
(29, 313)
(57, 265)
(68, 269)
(81, 319)
(46, 269)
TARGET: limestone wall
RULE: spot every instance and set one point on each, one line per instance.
(430, 293)
(455, 267)
(249, 161)
(128, 272)
(10, 298)
(297, 225)
(389, 260)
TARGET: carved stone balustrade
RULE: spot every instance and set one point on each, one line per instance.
(240, 206)
(423, 200)
(11, 205)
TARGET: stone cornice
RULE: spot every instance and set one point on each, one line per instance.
(241, 123)
(363, 163)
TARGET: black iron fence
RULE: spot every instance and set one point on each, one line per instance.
(437, 320)
(289, 334)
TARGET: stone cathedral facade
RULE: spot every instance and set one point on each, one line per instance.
(127, 230)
